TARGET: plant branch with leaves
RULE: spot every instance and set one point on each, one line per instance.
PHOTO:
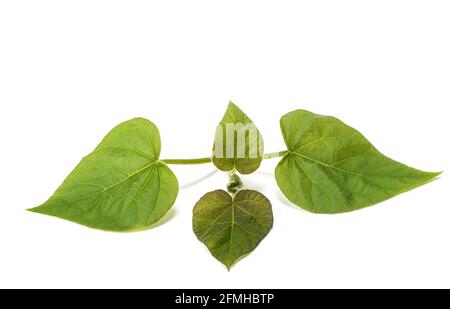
(328, 168)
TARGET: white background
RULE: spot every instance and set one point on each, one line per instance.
(72, 70)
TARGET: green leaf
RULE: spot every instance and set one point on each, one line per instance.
(238, 143)
(232, 227)
(121, 185)
(331, 168)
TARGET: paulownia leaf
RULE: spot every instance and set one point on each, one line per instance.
(331, 168)
(232, 227)
(238, 143)
(121, 185)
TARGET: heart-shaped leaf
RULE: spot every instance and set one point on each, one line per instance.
(232, 227)
(331, 168)
(121, 185)
(238, 143)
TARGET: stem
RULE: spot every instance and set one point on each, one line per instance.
(234, 183)
(275, 154)
(187, 161)
(209, 160)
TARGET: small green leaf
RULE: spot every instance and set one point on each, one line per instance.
(238, 143)
(232, 227)
(121, 185)
(331, 168)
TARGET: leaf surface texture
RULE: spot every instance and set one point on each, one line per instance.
(332, 168)
(121, 185)
(232, 227)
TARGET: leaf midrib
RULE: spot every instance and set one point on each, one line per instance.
(327, 165)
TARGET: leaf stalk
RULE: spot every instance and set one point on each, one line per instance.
(187, 161)
(209, 160)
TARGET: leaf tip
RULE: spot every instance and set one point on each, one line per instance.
(228, 265)
(232, 106)
(437, 174)
(433, 175)
(32, 209)
(41, 209)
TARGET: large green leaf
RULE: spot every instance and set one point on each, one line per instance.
(232, 227)
(121, 185)
(331, 168)
(238, 143)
